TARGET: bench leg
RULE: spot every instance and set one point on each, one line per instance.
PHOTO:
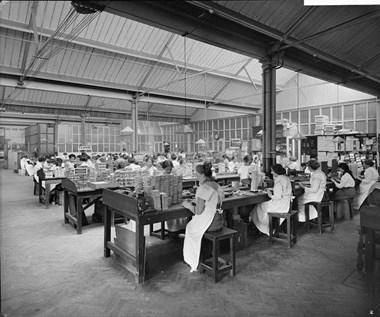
(331, 214)
(270, 229)
(233, 246)
(288, 231)
(307, 216)
(215, 260)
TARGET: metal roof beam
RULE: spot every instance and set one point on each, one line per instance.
(243, 35)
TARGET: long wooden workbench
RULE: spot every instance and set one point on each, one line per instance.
(127, 206)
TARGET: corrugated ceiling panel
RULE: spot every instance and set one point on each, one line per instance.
(160, 76)
(3, 48)
(115, 30)
(234, 92)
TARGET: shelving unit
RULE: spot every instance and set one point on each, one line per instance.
(356, 148)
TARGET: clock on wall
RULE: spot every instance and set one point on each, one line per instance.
(216, 136)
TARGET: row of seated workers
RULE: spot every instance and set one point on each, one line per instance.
(208, 195)
(344, 188)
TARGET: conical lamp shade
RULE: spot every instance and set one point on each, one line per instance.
(338, 139)
(127, 130)
(299, 136)
(200, 141)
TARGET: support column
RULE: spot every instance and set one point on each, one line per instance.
(269, 114)
(134, 125)
(84, 115)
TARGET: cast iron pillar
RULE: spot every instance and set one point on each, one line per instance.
(269, 113)
(83, 138)
(134, 125)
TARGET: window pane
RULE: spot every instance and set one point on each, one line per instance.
(304, 129)
(238, 134)
(337, 113)
(360, 111)
(278, 116)
(227, 123)
(294, 116)
(233, 123)
(348, 125)
(326, 112)
(361, 126)
(372, 106)
(238, 123)
(232, 134)
(215, 126)
(245, 122)
(348, 112)
(304, 114)
(221, 124)
(371, 126)
(285, 115)
(245, 134)
(313, 113)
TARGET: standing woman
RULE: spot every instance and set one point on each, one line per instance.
(280, 197)
(371, 176)
(345, 190)
(207, 197)
(314, 192)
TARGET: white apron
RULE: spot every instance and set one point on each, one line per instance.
(198, 225)
(371, 176)
(279, 203)
(314, 193)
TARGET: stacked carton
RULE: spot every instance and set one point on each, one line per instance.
(320, 122)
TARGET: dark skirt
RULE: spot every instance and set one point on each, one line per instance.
(344, 193)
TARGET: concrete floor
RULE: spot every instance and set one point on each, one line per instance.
(49, 270)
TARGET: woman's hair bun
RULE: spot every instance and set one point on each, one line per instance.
(207, 169)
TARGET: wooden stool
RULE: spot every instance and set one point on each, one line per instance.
(291, 233)
(348, 202)
(319, 207)
(215, 237)
(161, 233)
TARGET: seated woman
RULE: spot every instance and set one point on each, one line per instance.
(208, 195)
(280, 197)
(313, 193)
(71, 163)
(371, 176)
(149, 166)
(345, 189)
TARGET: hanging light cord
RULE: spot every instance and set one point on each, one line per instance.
(54, 44)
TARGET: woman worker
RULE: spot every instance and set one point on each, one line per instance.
(371, 176)
(208, 195)
(345, 190)
(280, 198)
(313, 193)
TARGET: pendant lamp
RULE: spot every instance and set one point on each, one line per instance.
(185, 129)
(298, 135)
